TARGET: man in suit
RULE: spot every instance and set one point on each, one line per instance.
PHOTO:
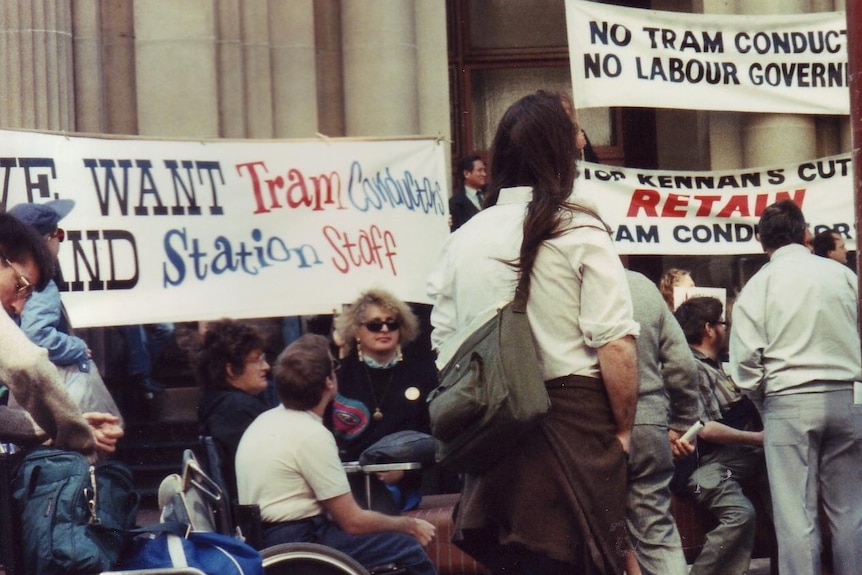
(467, 201)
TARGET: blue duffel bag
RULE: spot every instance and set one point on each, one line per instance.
(175, 545)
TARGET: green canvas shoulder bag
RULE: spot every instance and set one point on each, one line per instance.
(491, 392)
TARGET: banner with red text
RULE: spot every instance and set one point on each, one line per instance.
(786, 63)
(712, 213)
(199, 230)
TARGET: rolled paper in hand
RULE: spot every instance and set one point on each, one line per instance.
(692, 431)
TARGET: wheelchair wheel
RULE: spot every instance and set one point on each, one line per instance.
(308, 559)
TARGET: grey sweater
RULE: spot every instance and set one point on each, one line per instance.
(667, 372)
(34, 382)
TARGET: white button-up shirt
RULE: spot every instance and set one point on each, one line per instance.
(794, 326)
(579, 296)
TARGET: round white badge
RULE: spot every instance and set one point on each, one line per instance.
(412, 393)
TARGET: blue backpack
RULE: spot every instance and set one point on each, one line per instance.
(74, 515)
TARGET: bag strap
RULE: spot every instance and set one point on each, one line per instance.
(173, 527)
(176, 551)
(519, 303)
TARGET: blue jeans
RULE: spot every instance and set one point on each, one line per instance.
(370, 550)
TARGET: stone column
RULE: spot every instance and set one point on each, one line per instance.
(294, 75)
(380, 68)
(725, 139)
(36, 86)
(87, 46)
(330, 77)
(845, 141)
(433, 69)
(257, 68)
(175, 56)
(777, 138)
(433, 75)
(119, 98)
(231, 77)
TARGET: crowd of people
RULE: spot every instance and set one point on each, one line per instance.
(774, 383)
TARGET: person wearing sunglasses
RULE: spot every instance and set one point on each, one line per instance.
(46, 323)
(46, 411)
(382, 391)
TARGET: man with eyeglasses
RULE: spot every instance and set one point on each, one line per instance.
(48, 412)
(729, 448)
(44, 318)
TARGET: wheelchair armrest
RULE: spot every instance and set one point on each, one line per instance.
(249, 524)
(158, 571)
(381, 467)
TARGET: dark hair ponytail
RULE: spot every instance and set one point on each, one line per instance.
(535, 146)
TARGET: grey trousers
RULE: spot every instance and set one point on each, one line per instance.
(814, 443)
(652, 531)
(716, 486)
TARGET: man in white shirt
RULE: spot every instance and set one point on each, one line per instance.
(795, 349)
(287, 463)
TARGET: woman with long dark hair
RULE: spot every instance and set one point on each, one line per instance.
(556, 504)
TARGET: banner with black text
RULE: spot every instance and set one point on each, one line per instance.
(713, 213)
(199, 230)
(785, 63)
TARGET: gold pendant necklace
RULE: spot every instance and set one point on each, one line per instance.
(378, 415)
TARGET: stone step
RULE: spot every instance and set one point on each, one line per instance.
(153, 448)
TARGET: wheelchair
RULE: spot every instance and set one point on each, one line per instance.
(283, 559)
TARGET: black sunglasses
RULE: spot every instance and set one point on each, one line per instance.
(377, 325)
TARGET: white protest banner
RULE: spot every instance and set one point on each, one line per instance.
(683, 293)
(199, 230)
(784, 63)
(713, 213)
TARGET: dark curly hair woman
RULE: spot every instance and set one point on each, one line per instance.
(232, 369)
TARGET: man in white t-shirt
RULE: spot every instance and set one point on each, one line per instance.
(287, 463)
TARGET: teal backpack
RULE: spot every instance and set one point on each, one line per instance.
(75, 517)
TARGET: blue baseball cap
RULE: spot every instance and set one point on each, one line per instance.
(43, 217)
